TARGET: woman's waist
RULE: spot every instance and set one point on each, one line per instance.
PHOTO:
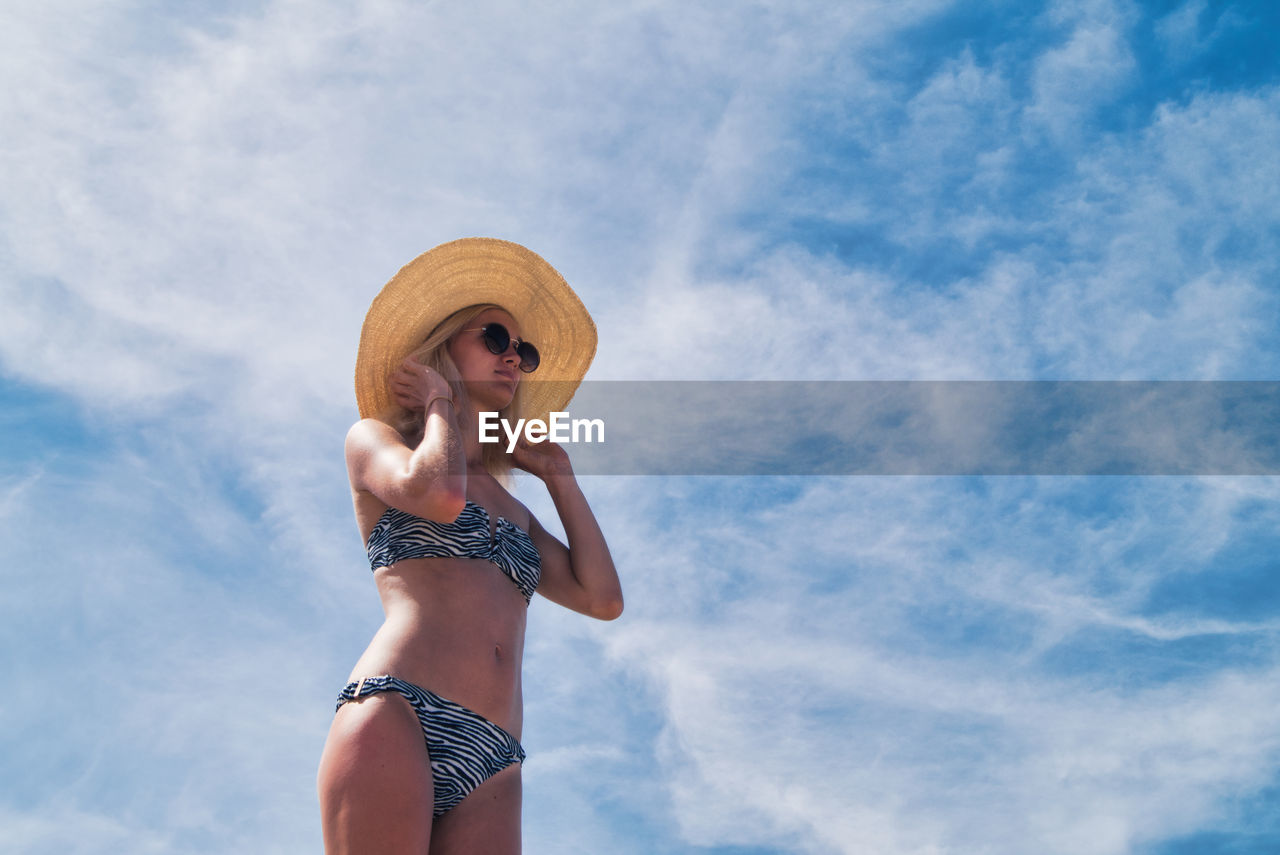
(473, 665)
(430, 637)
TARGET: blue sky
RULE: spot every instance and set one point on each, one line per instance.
(199, 201)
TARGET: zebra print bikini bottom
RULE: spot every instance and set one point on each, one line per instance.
(465, 748)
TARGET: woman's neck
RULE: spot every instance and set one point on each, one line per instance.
(471, 447)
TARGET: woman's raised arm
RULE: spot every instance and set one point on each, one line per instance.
(581, 576)
(428, 481)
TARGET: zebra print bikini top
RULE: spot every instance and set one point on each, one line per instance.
(399, 535)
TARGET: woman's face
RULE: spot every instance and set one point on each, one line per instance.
(491, 378)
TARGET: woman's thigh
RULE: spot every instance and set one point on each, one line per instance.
(487, 820)
(375, 780)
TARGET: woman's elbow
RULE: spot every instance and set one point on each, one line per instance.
(608, 608)
(440, 502)
(449, 503)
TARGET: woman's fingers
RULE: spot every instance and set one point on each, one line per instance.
(419, 382)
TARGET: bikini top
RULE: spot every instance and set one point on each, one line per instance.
(399, 535)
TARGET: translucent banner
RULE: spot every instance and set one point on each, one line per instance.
(920, 428)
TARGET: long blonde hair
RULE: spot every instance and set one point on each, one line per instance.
(434, 353)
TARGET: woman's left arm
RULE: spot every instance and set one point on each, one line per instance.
(581, 576)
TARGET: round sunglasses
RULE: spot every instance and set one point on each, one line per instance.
(497, 339)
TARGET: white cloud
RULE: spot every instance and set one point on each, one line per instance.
(1179, 30)
(197, 213)
(14, 489)
(186, 712)
(830, 723)
(76, 832)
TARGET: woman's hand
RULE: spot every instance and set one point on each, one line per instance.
(543, 459)
(413, 385)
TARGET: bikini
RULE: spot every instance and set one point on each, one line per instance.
(465, 749)
(399, 535)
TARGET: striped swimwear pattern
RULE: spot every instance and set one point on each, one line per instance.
(399, 535)
(465, 748)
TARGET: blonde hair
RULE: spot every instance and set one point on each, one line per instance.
(434, 353)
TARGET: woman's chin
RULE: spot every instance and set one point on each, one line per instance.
(491, 396)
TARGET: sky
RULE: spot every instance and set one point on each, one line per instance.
(198, 202)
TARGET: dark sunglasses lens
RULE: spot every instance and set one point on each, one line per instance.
(528, 356)
(496, 338)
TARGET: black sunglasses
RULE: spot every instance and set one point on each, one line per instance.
(497, 339)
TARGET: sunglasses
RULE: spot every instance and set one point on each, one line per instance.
(497, 339)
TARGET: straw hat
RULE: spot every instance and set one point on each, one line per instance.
(463, 273)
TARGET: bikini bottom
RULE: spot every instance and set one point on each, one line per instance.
(465, 748)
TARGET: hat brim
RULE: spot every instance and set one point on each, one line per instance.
(464, 273)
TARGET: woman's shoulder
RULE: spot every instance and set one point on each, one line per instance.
(367, 441)
(371, 427)
(370, 434)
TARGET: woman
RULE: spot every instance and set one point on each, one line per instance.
(424, 753)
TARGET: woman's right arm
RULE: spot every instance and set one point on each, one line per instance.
(429, 481)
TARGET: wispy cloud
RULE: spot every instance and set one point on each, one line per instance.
(198, 207)
(925, 684)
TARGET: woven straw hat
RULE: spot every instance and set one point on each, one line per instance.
(463, 273)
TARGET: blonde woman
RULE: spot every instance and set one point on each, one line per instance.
(424, 751)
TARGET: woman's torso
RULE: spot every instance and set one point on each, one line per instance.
(453, 625)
